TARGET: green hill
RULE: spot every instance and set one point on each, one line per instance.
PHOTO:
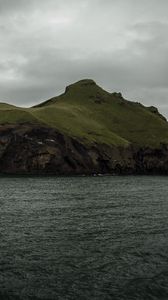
(92, 115)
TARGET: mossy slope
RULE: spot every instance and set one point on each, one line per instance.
(91, 114)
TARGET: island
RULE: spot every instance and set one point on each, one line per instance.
(84, 131)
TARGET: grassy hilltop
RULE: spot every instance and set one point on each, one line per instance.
(89, 113)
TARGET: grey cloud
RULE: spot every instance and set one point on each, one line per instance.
(46, 45)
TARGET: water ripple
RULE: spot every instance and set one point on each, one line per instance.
(84, 238)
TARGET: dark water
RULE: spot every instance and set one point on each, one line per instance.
(84, 238)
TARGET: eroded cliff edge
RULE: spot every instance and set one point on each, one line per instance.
(34, 149)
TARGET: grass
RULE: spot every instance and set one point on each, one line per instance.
(91, 114)
(14, 116)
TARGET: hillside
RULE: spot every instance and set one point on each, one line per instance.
(94, 119)
(88, 112)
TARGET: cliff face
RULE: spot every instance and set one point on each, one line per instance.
(32, 149)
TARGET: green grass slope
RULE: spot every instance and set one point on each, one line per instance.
(91, 114)
(10, 114)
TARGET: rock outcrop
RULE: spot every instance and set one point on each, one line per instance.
(32, 149)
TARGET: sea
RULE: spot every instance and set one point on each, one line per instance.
(84, 238)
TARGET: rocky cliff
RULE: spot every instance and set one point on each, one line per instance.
(32, 149)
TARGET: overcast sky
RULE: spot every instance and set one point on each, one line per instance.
(48, 44)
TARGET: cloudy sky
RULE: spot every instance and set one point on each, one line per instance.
(121, 44)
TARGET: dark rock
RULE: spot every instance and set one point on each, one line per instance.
(155, 111)
(117, 95)
(30, 149)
